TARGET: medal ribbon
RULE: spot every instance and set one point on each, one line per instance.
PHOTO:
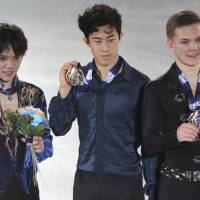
(112, 73)
(10, 90)
(192, 101)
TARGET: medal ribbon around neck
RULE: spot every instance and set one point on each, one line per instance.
(193, 101)
(112, 73)
(10, 90)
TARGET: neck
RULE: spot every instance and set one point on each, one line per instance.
(190, 71)
(103, 70)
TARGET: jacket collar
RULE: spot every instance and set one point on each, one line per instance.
(127, 73)
(174, 85)
(173, 78)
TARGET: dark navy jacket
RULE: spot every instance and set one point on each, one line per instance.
(108, 122)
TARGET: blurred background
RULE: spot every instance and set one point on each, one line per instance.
(53, 35)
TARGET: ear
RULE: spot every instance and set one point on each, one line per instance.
(170, 44)
(121, 35)
(86, 41)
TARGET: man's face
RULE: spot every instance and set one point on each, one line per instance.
(104, 45)
(186, 45)
(9, 65)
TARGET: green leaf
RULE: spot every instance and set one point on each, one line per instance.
(22, 124)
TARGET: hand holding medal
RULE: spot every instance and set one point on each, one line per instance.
(194, 118)
(70, 75)
(75, 76)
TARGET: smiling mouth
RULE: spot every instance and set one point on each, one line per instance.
(194, 55)
(105, 56)
(8, 73)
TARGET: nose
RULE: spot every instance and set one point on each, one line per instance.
(9, 63)
(194, 45)
(105, 46)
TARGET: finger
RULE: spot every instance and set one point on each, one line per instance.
(37, 142)
(189, 130)
(38, 148)
(69, 65)
(73, 63)
(188, 136)
(63, 72)
(190, 126)
(37, 138)
(191, 133)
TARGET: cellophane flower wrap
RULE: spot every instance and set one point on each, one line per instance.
(28, 122)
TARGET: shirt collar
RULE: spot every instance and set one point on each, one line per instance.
(126, 74)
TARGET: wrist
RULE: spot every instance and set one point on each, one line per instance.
(64, 91)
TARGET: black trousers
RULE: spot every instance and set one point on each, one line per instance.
(174, 189)
(90, 186)
(15, 191)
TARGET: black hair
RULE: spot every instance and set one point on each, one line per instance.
(99, 15)
(12, 36)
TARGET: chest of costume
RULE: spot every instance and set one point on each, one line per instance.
(116, 100)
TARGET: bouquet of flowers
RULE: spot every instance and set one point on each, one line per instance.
(28, 122)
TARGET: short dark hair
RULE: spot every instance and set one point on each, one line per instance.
(99, 15)
(12, 36)
(180, 19)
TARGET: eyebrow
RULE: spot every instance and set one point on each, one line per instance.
(112, 35)
(98, 38)
(5, 56)
(184, 39)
